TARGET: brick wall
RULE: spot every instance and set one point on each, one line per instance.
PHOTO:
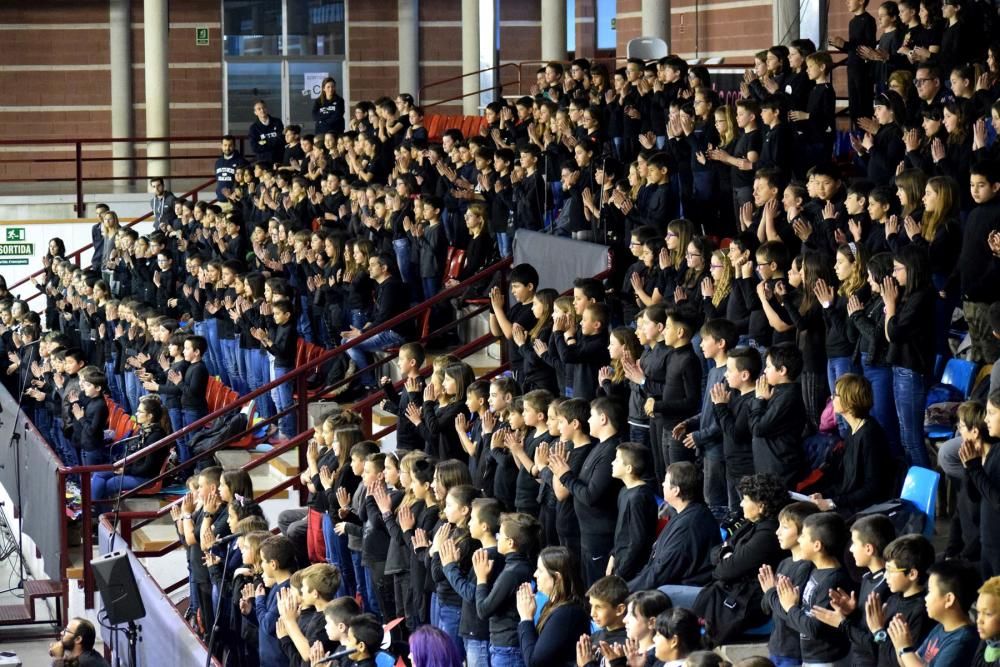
(56, 80)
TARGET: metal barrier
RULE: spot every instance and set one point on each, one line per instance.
(299, 408)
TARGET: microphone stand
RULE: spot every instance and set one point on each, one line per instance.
(218, 608)
(118, 500)
(602, 223)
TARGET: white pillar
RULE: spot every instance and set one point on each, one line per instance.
(409, 47)
(470, 56)
(786, 21)
(121, 93)
(656, 19)
(155, 23)
(554, 30)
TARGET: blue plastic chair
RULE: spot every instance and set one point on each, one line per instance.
(920, 488)
(960, 374)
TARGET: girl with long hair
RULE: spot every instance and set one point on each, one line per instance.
(536, 371)
(435, 417)
(151, 418)
(909, 304)
(716, 286)
(623, 346)
(552, 639)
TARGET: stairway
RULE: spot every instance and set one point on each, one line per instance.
(24, 613)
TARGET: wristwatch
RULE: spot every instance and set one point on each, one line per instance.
(906, 649)
(880, 636)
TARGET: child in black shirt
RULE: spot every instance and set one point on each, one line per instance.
(586, 350)
(635, 529)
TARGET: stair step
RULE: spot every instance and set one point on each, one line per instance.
(153, 537)
(382, 418)
(13, 614)
(286, 464)
(42, 588)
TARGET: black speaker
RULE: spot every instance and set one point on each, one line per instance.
(116, 583)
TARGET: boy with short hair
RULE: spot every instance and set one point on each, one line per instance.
(731, 402)
(410, 360)
(777, 415)
(573, 424)
(350, 523)
(523, 283)
(337, 615)
(594, 490)
(821, 541)
(470, 433)
(302, 618)
(951, 592)
(364, 637)
(703, 431)
(90, 417)
(277, 560)
(503, 390)
(870, 535)
(682, 383)
(375, 538)
(907, 559)
(518, 541)
(194, 388)
(635, 529)
(280, 339)
(607, 610)
(584, 352)
(484, 523)
(977, 266)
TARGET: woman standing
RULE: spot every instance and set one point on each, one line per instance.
(552, 640)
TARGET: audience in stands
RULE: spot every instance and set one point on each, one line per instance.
(771, 328)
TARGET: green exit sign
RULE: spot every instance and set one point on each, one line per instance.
(14, 234)
(201, 36)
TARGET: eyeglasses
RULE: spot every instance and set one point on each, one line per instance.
(920, 82)
(671, 235)
(717, 266)
(897, 269)
(692, 254)
(634, 243)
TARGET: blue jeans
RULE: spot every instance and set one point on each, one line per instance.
(883, 408)
(108, 484)
(835, 367)
(681, 596)
(188, 417)
(359, 318)
(910, 393)
(503, 243)
(404, 261)
(506, 656)
(67, 452)
(211, 328)
(447, 618)
(369, 597)
(230, 348)
(337, 554)
(259, 374)
(304, 326)
(282, 397)
(201, 329)
(133, 390)
(431, 286)
(780, 661)
(477, 653)
(359, 353)
(115, 385)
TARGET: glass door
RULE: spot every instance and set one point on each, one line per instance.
(280, 51)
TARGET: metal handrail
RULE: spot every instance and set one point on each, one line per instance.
(441, 82)
(79, 251)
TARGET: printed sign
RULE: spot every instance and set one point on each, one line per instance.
(14, 234)
(313, 84)
(201, 36)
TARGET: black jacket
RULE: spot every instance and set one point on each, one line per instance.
(555, 645)
(911, 341)
(88, 431)
(635, 529)
(681, 396)
(595, 491)
(682, 551)
(499, 601)
(777, 426)
(587, 354)
(864, 477)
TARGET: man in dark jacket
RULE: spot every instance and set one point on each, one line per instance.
(682, 553)
(226, 166)
(266, 135)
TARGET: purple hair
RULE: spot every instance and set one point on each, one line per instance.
(431, 647)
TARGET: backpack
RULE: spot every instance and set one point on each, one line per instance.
(223, 429)
(905, 516)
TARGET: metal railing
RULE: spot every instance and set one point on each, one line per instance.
(497, 84)
(84, 152)
(298, 377)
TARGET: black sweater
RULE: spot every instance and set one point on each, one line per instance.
(777, 426)
(978, 268)
(463, 581)
(985, 476)
(737, 438)
(635, 529)
(407, 435)
(863, 647)
(784, 641)
(682, 551)
(681, 395)
(284, 344)
(861, 480)
(595, 491)
(555, 646)
(588, 354)
(194, 388)
(911, 340)
(818, 641)
(88, 431)
(499, 601)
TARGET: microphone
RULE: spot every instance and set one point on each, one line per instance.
(340, 653)
(229, 538)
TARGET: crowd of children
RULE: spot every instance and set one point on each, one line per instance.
(765, 302)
